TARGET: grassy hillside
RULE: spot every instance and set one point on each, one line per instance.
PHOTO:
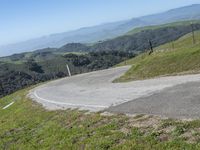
(138, 42)
(174, 24)
(26, 125)
(166, 60)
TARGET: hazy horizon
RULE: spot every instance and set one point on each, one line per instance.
(25, 20)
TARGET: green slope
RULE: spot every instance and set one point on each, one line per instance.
(26, 125)
(184, 58)
(174, 24)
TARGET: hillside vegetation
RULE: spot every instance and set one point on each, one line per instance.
(26, 125)
(174, 24)
(173, 58)
(138, 42)
(22, 70)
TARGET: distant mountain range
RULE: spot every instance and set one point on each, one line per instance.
(104, 31)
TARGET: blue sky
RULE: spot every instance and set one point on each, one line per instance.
(25, 19)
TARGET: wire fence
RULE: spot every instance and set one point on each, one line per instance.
(192, 39)
(173, 44)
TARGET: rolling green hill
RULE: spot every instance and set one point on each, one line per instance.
(179, 57)
(174, 24)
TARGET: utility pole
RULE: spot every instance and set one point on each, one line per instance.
(68, 70)
(151, 47)
(193, 36)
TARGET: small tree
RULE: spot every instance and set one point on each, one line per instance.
(33, 66)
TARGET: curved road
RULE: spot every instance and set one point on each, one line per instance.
(176, 96)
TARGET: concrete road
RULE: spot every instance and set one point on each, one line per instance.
(181, 101)
(95, 91)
